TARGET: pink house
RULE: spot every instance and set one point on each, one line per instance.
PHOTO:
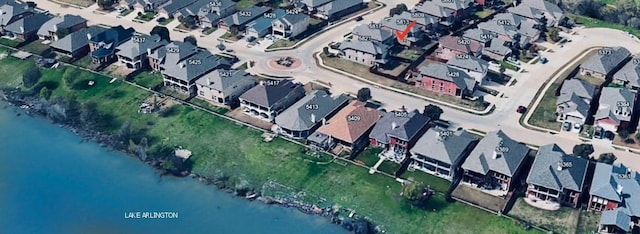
(440, 78)
(449, 47)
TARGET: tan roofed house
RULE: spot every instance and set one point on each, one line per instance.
(351, 125)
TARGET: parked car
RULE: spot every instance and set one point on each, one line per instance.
(251, 39)
(493, 63)
(598, 133)
(566, 126)
(521, 109)
(544, 60)
(513, 60)
(577, 127)
(359, 18)
(161, 19)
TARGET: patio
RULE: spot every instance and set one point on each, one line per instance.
(542, 204)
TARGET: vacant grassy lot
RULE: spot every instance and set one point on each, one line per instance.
(363, 72)
(596, 23)
(36, 47)
(7, 42)
(564, 220)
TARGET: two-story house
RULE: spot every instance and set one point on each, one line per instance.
(76, 44)
(103, 45)
(372, 32)
(475, 67)
(350, 128)
(183, 74)
(494, 162)
(240, 19)
(615, 192)
(270, 98)
(12, 11)
(61, 26)
(177, 51)
(605, 62)
(615, 108)
(290, 25)
(261, 26)
(494, 47)
(450, 47)
(396, 132)
(170, 8)
(133, 53)
(440, 152)
(556, 177)
(26, 29)
(309, 113)
(540, 10)
(428, 24)
(574, 102)
(211, 13)
(368, 53)
(224, 86)
(447, 12)
(440, 78)
(629, 74)
(399, 23)
(330, 9)
(516, 30)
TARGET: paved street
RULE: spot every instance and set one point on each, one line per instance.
(503, 117)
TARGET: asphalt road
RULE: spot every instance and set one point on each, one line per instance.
(503, 117)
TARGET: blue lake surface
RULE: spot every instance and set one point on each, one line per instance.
(52, 183)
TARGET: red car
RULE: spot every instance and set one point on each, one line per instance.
(521, 109)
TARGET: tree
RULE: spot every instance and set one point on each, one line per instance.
(192, 40)
(105, 4)
(583, 150)
(633, 22)
(432, 111)
(69, 77)
(233, 30)
(89, 114)
(45, 93)
(161, 31)
(72, 107)
(63, 32)
(637, 136)
(364, 94)
(398, 9)
(624, 134)
(553, 34)
(417, 193)
(125, 131)
(607, 158)
(31, 77)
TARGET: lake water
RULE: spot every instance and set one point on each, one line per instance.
(52, 183)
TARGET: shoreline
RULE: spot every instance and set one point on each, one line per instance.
(33, 107)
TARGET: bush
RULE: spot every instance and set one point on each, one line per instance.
(45, 93)
(31, 77)
(364, 94)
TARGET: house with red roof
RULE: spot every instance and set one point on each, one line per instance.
(449, 47)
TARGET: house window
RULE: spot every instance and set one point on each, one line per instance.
(441, 86)
(201, 93)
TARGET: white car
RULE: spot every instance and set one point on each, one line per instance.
(513, 60)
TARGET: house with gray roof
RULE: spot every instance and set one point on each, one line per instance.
(440, 78)
(262, 26)
(440, 152)
(615, 108)
(447, 12)
(270, 98)
(428, 24)
(144, 5)
(183, 75)
(556, 176)
(290, 25)
(26, 29)
(605, 62)
(494, 162)
(63, 23)
(372, 32)
(575, 100)
(11, 11)
(170, 8)
(629, 74)
(368, 53)
(103, 45)
(240, 19)
(224, 86)
(540, 10)
(512, 28)
(171, 54)
(397, 132)
(76, 44)
(497, 49)
(330, 9)
(210, 14)
(615, 192)
(399, 23)
(475, 67)
(309, 113)
(133, 53)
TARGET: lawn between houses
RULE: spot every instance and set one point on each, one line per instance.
(222, 149)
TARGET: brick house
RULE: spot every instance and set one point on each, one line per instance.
(440, 78)
(396, 132)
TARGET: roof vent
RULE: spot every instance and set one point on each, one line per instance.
(394, 125)
(496, 155)
(619, 189)
(313, 118)
(560, 166)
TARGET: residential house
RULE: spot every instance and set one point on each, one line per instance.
(396, 132)
(330, 9)
(614, 108)
(183, 74)
(400, 23)
(240, 19)
(76, 44)
(475, 67)
(349, 127)
(446, 11)
(262, 26)
(133, 53)
(270, 98)
(556, 177)
(65, 24)
(149, 5)
(103, 45)
(605, 62)
(12, 11)
(426, 23)
(615, 192)
(494, 163)
(494, 47)
(368, 53)
(450, 47)
(290, 25)
(517, 30)
(372, 32)
(176, 52)
(224, 86)
(574, 102)
(309, 113)
(629, 74)
(440, 152)
(210, 14)
(26, 29)
(169, 9)
(541, 10)
(440, 78)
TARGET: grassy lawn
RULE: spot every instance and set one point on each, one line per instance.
(126, 12)
(148, 16)
(242, 4)
(85, 62)
(410, 54)
(588, 222)
(166, 21)
(208, 106)
(363, 71)
(209, 31)
(509, 66)
(544, 115)
(596, 23)
(369, 156)
(389, 167)
(436, 183)
(564, 220)
(148, 79)
(397, 69)
(35, 47)
(229, 36)
(221, 148)
(314, 21)
(282, 43)
(10, 43)
(484, 13)
(81, 3)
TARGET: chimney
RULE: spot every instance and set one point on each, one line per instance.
(208, 81)
(21, 29)
(55, 27)
(262, 82)
(181, 65)
(394, 125)
(324, 121)
(89, 36)
(496, 155)
(559, 168)
(619, 189)
(149, 51)
(313, 118)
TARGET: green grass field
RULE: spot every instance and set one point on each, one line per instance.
(221, 148)
(596, 23)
